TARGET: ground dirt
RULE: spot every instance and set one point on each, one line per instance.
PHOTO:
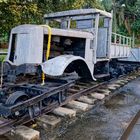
(108, 121)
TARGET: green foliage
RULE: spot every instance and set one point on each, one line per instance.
(107, 4)
(16, 12)
(13, 13)
(2, 58)
(136, 27)
(126, 16)
(60, 5)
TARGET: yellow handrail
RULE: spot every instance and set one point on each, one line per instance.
(48, 49)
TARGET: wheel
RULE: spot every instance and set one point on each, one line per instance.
(14, 98)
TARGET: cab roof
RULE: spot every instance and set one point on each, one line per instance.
(79, 12)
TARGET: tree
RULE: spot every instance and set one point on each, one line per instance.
(126, 14)
(16, 12)
(12, 13)
(132, 16)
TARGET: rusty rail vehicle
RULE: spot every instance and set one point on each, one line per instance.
(44, 61)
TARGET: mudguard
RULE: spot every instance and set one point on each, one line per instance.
(56, 66)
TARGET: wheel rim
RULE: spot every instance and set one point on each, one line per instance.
(15, 98)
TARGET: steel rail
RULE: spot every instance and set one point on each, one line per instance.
(130, 127)
(8, 125)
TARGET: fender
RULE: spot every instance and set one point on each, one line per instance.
(57, 66)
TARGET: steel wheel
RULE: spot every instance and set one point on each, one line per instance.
(15, 98)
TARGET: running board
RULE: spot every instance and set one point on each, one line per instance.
(100, 76)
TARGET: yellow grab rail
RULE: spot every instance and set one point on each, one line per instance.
(48, 49)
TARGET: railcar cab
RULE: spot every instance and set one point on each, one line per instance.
(28, 48)
(94, 21)
(76, 43)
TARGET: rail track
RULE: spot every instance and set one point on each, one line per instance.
(74, 89)
(130, 127)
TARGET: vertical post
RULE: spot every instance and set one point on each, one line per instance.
(96, 38)
(69, 23)
(133, 40)
(109, 35)
(127, 42)
(123, 40)
(124, 48)
(47, 22)
(120, 45)
(106, 25)
(64, 24)
(115, 40)
(120, 39)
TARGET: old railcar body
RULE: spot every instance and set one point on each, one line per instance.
(75, 41)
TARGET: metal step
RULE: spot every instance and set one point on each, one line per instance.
(102, 59)
(99, 76)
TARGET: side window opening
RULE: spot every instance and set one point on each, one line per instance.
(13, 47)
